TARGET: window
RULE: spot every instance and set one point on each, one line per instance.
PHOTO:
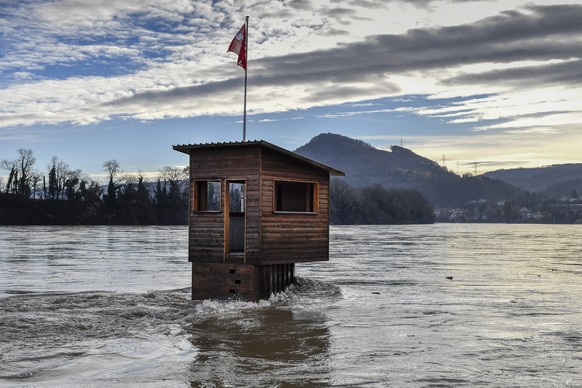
(236, 193)
(296, 197)
(206, 196)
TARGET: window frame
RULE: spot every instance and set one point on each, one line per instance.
(196, 197)
(314, 196)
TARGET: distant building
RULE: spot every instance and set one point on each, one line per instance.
(255, 210)
(525, 213)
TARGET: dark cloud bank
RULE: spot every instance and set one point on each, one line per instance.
(537, 33)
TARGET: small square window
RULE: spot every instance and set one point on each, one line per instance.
(206, 196)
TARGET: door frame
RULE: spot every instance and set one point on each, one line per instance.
(237, 255)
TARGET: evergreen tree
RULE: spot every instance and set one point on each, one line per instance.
(111, 190)
(10, 180)
(53, 187)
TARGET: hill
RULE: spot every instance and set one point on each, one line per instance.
(553, 179)
(365, 165)
(566, 188)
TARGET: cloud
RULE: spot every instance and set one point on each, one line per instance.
(566, 72)
(510, 37)
(358, 113)
(152, 59)
(300, 5)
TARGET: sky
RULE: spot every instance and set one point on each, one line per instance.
(473, 85)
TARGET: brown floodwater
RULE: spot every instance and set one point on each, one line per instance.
(404, 306)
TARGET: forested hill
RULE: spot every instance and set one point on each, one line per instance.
(558, 179)
(356, 157)
(365, 165)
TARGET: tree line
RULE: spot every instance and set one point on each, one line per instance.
(377, 205)
(64, 196)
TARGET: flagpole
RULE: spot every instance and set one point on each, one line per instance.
(246, 72)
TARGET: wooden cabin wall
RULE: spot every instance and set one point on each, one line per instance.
(206, 232)
(292, 237)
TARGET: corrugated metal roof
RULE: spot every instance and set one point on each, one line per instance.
(186, 148)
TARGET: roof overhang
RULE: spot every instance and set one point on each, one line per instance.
(188, 148)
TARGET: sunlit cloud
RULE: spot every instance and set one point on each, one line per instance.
(322, 77)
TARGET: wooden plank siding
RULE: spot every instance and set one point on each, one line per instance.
(207, 229)
(252, 216)
(292, 237)
(224, 162)
(206, 237)
(271, 237)
(276, 235)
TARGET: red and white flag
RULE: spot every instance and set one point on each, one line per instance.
(238, 46)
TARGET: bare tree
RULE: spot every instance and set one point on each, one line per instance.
(59, 172)
(21, 170)
(112, 168)
(173, 174)
(34, 179)
(175, 177)
(130, 178)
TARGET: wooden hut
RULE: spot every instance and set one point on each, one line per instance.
(256, 209)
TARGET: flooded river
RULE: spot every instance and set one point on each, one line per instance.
(397, 306)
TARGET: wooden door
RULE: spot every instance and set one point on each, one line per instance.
(234, 214)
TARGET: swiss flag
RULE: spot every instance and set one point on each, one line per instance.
(238, 46)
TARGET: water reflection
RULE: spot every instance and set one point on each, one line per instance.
(266, 347)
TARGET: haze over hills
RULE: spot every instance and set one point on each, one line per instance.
(365, 165)
(556, 180)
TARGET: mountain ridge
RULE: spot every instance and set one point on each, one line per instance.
(357, 154)
(541, 179)
(400, 167)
